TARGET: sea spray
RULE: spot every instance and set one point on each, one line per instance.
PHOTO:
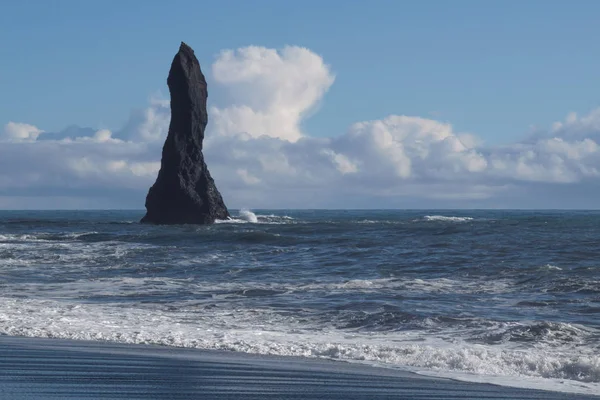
(248, 216)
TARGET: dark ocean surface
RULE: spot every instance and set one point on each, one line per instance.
(509, 297)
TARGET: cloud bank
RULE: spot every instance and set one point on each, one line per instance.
(260, 157)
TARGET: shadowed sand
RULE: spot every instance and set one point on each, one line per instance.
(65, 369)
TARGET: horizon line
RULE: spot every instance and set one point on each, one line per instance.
(317, 209)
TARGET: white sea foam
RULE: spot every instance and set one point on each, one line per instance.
(11, 237)
(103, 287)
(247, 216)
(550, 267)
(129, 286)
(33, 251)
(278, 216)
(43, 237)
(256, 331)
(230, 221)
(433, 285)
(447, 219)
(380, 222)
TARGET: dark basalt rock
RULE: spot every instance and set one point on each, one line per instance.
(184, 191)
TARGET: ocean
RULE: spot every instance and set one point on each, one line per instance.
(507, 297)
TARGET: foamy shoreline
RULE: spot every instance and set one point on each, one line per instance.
(32, 368)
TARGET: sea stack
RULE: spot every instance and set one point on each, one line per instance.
(184, 191)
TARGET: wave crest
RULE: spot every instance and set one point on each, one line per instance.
(446, 219)
(246, 216)
(569, 370)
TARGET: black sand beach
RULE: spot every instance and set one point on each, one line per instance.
(32, 368)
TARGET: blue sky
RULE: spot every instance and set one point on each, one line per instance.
(494, 68)
(498, 70)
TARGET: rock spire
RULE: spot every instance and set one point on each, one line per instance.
(184, 191)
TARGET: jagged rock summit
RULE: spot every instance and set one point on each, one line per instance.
(184, 191)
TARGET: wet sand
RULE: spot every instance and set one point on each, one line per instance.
(32, 368)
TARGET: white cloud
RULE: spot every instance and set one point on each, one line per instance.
(260, 158)
(342, 163)
(577, 126)
(85, 165)
(19, 132)
(149, 124)
(100, 136)
(155, 120)
(272, 90)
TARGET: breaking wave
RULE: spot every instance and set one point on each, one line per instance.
(447, 219)
(239, 330)
(504, 297)
(246, 216)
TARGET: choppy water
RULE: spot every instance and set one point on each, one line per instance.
(511, 297)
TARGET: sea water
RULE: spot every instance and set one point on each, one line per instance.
(508, 297)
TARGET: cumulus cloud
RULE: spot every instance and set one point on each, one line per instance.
(149, 124)
(578, 127)
(272, 90)
(342, 163)
(410, 148)
(19, 132)
(260, 157)
(57, 172)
